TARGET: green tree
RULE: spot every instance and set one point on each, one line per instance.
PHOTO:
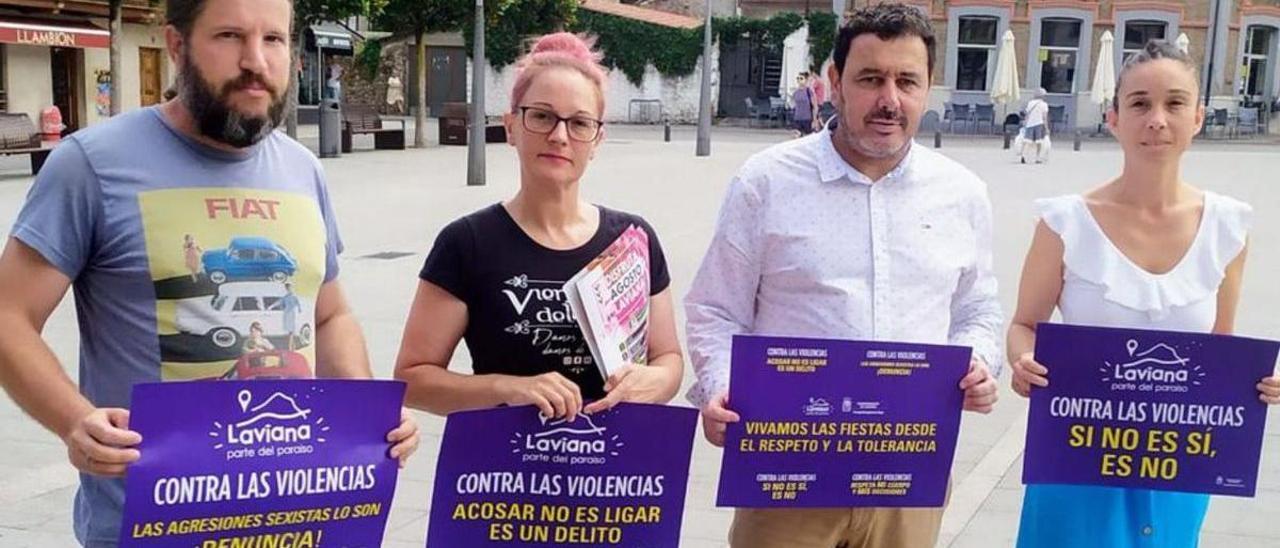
(505, 36)
(822, 37)
(631, 46)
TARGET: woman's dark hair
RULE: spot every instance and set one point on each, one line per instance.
(1153, 51)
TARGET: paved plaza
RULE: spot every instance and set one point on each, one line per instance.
(396, 201)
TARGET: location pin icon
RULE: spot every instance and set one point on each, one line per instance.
(1132, 345)
(244, 397)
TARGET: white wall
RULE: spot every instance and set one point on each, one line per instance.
(1088, 113)
(130, 79)
(30, 79)
(679, 96)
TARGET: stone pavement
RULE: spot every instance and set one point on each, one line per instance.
(396, 201)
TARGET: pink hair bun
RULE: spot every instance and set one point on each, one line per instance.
(568, 44)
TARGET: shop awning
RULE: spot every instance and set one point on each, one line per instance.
(63, 35)
(333, 38)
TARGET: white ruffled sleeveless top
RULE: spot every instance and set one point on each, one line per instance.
(1102, 287)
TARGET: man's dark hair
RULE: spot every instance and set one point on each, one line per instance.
(1153, 51)
(182, 14)
(887, 21)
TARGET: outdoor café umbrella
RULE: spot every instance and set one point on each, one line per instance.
(1004, 89)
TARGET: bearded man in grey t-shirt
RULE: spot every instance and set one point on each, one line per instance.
(108, 217)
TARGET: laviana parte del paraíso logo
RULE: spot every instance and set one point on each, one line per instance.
(579, 441)
(1158, 368)
(276, 426)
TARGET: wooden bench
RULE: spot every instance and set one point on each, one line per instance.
(363, 119)
(18, 136)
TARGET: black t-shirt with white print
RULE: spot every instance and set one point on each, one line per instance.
(519, 321)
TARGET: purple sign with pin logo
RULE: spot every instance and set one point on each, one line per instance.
(832, 423)
(1148, 409)
(511, 477)
(261, 463)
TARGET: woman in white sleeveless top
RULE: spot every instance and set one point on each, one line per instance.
(1145, 250)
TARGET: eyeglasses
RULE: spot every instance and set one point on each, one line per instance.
(543, 121)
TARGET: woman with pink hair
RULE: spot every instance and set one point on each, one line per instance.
(494, 277)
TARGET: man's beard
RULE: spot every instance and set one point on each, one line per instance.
(217, 119)
(866, 144)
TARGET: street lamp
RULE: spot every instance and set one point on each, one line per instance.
(1211, 51)
(704, 106)
(476, 137)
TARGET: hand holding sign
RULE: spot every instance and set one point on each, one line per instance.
(1269, 390)
(552, 393)
(635, 383)
(1028, 372)
(101, 443)
(979, 388)
(405, 438)
(716, 417)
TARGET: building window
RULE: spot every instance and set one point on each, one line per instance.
(1059, 46)
(1138, 33)
(1257, 44)
(976, 51)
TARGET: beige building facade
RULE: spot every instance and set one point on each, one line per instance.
(1235, 42)
(60, 57)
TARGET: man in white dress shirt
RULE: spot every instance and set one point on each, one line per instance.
(852, 233)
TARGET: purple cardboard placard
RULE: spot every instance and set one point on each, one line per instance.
(510, 477)
(831, 423)
(294, 462)
(1148, 409)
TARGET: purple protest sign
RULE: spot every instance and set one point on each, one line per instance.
(1148, 409)
(830, 423)
(510, 477)
(261, 463)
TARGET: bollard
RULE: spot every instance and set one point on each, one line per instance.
(1006, 139)
(937, 139)
(666, 131)
(1076, 146)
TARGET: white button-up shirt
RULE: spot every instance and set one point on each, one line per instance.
(808, 246)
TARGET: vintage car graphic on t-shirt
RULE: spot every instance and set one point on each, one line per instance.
(271, 364)
(248, 258)
(241, 310)
(236, 273)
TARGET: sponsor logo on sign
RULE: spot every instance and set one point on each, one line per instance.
(1159, 368)
(817, 407)
(578, 441)
(276, 426)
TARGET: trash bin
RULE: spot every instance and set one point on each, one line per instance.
(330, 128)
(495, 133)
(454, 118)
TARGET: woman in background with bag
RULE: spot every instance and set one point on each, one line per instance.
(1035, 130)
